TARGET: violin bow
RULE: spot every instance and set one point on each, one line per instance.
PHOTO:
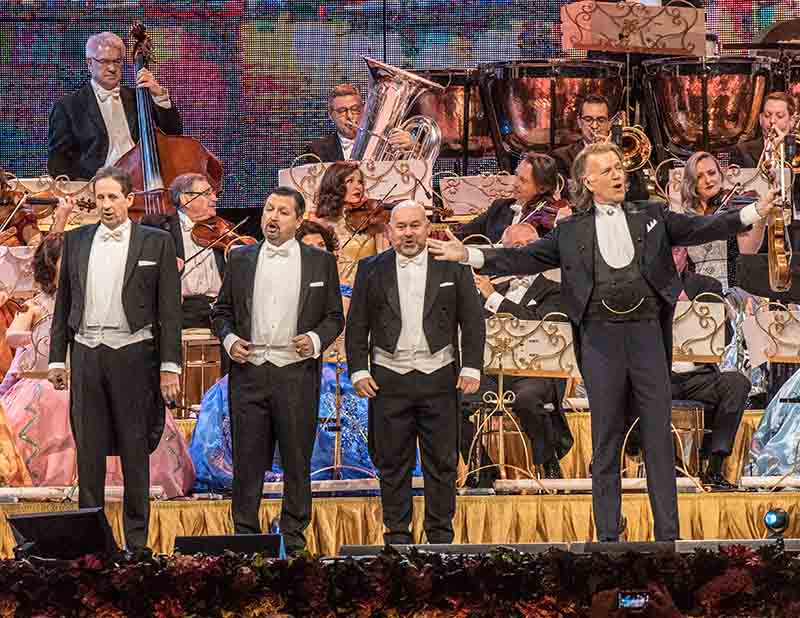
(372, 213)
(212, 245)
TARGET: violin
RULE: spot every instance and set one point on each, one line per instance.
(369, 217)
(733, 199)
(218, 232)
(542, 215)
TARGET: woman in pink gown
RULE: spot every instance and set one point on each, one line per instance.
(39, 415)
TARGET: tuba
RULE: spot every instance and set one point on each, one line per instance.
(632, 140)
(392, 92)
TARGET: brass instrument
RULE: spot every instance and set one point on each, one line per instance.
(392, 93)
(632, 140)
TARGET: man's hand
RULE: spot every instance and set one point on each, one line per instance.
(304, 345)
(766, 205)
(366, 387)
(484, 285)
(468, 386)
(562, 213)
(170, 387)
(452, 250)
(240, 351)
(58, 378)
(145, 79)
(400, 139)
(661, 604)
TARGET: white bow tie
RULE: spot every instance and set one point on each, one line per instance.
(416, 260)
(518, 283)
(115, 235)
(282, 251)
(346, 141)
(104, 94)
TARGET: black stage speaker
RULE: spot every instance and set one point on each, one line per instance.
(65, 536)
(528, 548)
(268, 544)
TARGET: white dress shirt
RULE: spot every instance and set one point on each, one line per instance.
(201, 275)
(517, 208)
(347, 145)
(412, 351)
(119, 133)
(517, 289)
(104, 321)
(614, 236)
(276, 298)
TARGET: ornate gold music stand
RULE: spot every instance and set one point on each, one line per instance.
(517, 347)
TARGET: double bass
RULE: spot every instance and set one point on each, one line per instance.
(159, 158)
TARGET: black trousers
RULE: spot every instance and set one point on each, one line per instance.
(114, 394)
(547, 430)
(624, 364)
(269, 405)
(726, 391)
(410, 407)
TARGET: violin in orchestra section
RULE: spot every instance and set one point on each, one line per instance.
(218, 232)
(369, 217)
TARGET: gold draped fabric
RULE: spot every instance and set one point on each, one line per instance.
(576, 463)
(478, 519)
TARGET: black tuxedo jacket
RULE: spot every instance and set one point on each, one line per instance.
(747, 154)
(451, 301)
(320, 306)
(328, 149)
(541, 298)
(564, 157)
(151, 294)
(77, 138)
(173, 226)
(491, 223)
(570, 246)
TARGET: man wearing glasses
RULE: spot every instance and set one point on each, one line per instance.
(344, 109)
(594, 124)
(97, 124)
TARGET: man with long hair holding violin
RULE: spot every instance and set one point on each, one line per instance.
(534, 203)
(98, 123)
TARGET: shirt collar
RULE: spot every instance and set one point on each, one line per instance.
(346, 142)
(124, 229)
(186, 222)
(607, 209)
(290, 245)
(98, 89)
(418, 260)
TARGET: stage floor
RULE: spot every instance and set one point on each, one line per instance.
(478, 519)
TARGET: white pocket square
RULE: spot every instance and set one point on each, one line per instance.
(651, 224)
(316, 284)
(146, 263)
(532, 302)
(445, 284)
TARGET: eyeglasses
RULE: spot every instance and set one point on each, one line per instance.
(109, 61)
(353, 109)
(591, 120)
(208, 192)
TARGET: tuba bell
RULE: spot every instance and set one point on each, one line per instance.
(392, 92)
(632, 140)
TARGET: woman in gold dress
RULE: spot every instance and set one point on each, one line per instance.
(342, 190)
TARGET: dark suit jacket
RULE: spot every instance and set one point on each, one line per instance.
(327, 148)
(570, 246)
(451, 301)
(491, 223)
(544, 293)
(77, 138)
(747, 154)
(320, 306)
(150, 295)
(564, 157)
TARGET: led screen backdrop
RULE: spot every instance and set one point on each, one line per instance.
(250, 77)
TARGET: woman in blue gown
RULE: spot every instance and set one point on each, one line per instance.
(776, 441)
(210, 448)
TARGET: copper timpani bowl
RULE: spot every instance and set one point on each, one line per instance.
(533, 105)
(733, 88)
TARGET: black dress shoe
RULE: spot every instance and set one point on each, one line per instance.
(552, 470)
(717, 482)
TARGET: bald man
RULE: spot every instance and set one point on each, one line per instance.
(404, 354)
(97, 124)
